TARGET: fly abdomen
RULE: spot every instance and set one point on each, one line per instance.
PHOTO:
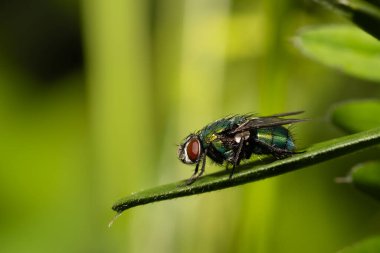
(277, 137)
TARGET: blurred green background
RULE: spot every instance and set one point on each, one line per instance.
(95, 95)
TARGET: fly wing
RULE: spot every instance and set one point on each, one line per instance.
(268, 121)
(285, 114)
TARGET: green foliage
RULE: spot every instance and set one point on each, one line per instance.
(315, 154)
(355, 53)
(356, 116)
(343, 47)
(365, 14)
(366, 177)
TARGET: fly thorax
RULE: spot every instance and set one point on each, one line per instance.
(242, 136)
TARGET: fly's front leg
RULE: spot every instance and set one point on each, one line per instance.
(193, 177)
(203, 164)
(195, 174)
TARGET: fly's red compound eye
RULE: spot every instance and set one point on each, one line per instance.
(193, 149)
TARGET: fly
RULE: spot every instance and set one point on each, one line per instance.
(232, 139)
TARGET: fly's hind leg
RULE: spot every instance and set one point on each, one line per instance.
(278, 153)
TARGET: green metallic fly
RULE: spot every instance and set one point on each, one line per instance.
(232, 139)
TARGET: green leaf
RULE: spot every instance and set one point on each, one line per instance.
(252, 172)
(369, 245)
(366, 177)
(357, 116)
(343, 47)
(365, 14)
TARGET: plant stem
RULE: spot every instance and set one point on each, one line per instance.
(251, 172)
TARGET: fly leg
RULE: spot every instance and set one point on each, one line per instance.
(278, 153)
(237, 157)
(203, 164)
(196, 174)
